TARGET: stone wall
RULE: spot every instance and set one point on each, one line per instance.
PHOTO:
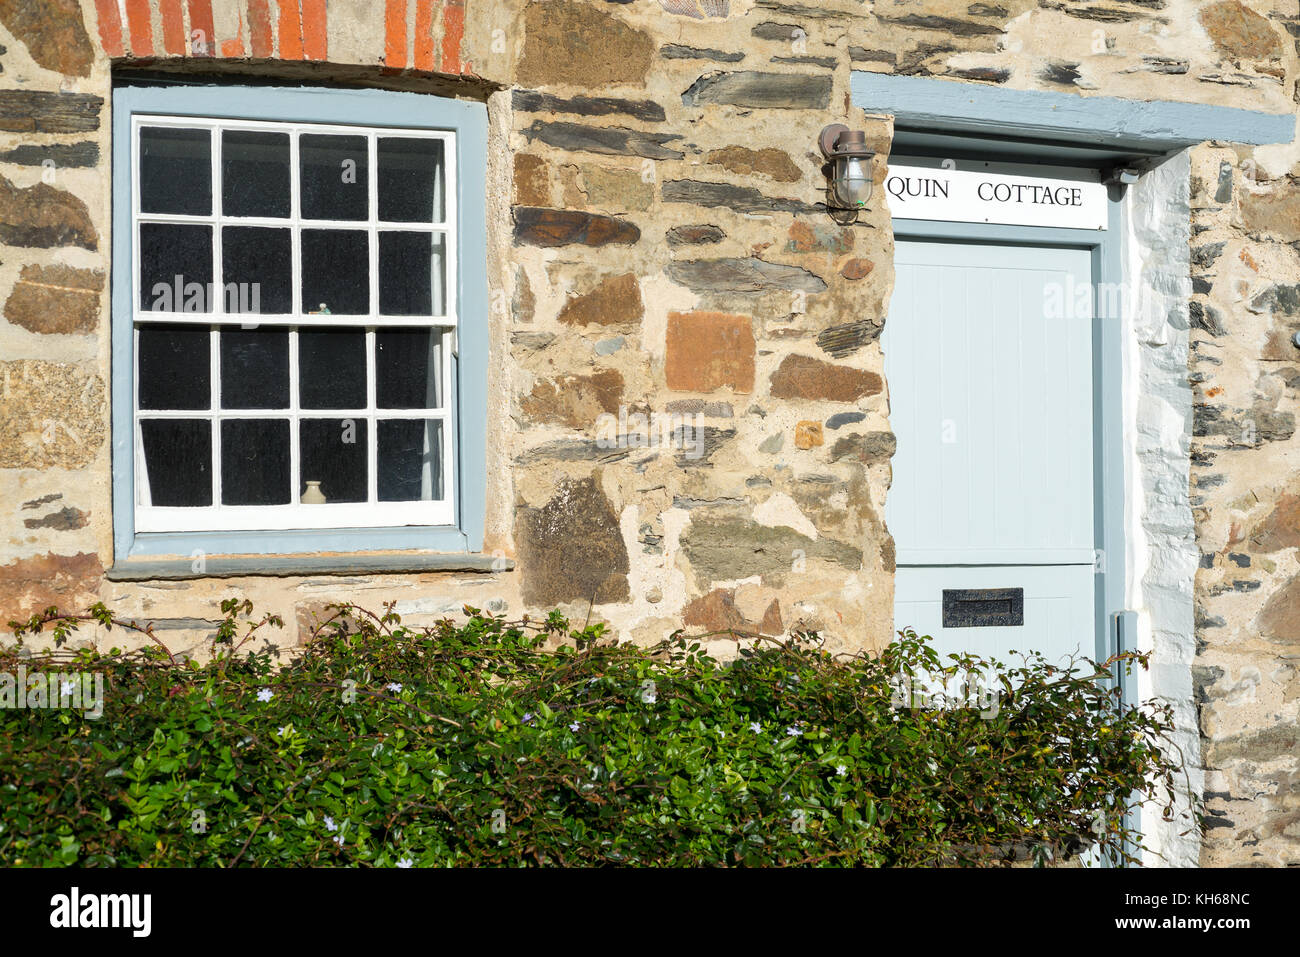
(658, 251)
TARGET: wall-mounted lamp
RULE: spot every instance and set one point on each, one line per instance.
(850, 162)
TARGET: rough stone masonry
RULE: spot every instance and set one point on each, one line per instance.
(657, 246)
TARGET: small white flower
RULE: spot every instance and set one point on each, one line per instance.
(394, 687)
(67, 687)
(793, 731)
(285, 731)
(405, 862)
(755, 727)
(339, 840)
(575, 726)
(266, 694)
(841, 770)
(329, 823)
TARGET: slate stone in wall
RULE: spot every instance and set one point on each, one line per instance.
(53, 32)
(533, 101)
(743, 199)
(727, 547)
(611, 140)
(867, 449)
(570, 450)
(695, 235)
(781, 32)
(865, 55)
(564, 227)
(64, 155)
(768, 161)
(31, 111)
(824, 62)
(1206, 317)
(66, 519)
(56, 299)
(846, 339)
(675, 51)
(801, 10)
(1065, 74)
(803, 377)
(743, 276)
(44, 216)
(788, 91)
(988, 74)
(1100, 14)
(946, 25)
(697, 9)
(571, 549)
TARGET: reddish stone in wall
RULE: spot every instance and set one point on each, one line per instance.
(614, 302)
(52, 31)
(1239, 31)
(802, 377)
(717, 611)
(565, 227)
(709, 350)
(56, 299)
(42, 215)
(30, 585)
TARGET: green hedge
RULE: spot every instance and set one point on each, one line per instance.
(495, 743)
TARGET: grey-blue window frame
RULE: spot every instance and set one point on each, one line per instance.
(361, 107)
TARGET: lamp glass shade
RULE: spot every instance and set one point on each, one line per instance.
(852, 181)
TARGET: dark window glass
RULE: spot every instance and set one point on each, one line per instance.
(255, 462)
(175, 267)
(410, 460)
(257, 269)
(255, 368)
(255, 173)
(334, 170)
(334, 453)
(405, 268)
(175, 171)
(174, 366)
(407, 369)
(331, 368)
(178, 458)
(335, 271)
(410, 180)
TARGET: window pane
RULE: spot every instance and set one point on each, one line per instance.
(257, 269)
(175, 171)
(255, 462)
(334, 453)
(175, 267)
(255, 368)
(410, 460)
(254, 173)
(178, 462)
(332, 368)
(334, 170)
(411, 274)
(336, 271)
(174, 367)
(408, 368)
(411, 180)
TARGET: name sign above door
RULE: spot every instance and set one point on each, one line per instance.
(969, 196)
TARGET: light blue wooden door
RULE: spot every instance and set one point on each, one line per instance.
(988, 355)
